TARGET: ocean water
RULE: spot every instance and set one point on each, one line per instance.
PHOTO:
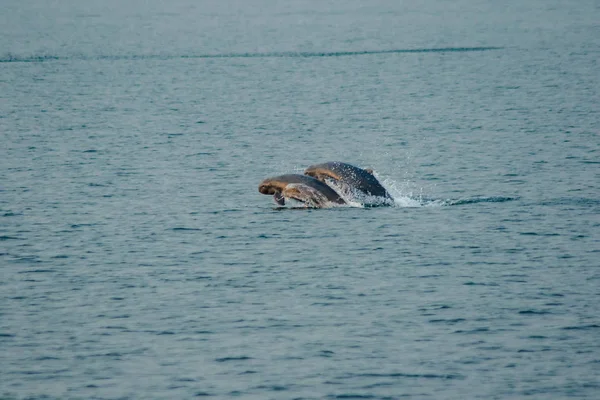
(139, 261)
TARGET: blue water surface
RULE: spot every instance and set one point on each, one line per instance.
(139, 261)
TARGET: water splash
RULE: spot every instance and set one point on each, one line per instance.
(407, 194)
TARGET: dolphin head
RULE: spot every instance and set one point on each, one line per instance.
(271, 186)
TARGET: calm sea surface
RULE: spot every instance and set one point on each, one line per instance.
(139, 261)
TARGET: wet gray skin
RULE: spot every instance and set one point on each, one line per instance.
(349, 175)
(300, 187)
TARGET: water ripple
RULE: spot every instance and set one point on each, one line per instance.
(7, 58)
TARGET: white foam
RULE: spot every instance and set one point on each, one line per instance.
(405, 194)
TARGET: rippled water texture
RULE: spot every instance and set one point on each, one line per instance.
(139, 261)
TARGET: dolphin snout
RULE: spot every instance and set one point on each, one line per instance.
(266, 187)
(263, 189)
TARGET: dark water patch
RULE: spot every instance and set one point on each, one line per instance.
(435, 307)
(402, 375)
(37, 271)
(581, 327)
(350, 396)
(6, 335)
(185, 379)
(516, 280)
(551, 294)
(240, 358)
(76, 226)
(48, 375)
(200, 278)
(570, 201)
(116, 327)
(515, 250)
(274, 388)
(475, 200)
(447, 321)
(202, 394)
(378, 384)
(474, 331)
(11, 214)
(128, 173)
(39, 58)
(565, 256)
(110, 354)
(47, 358)
(4, 237)
(427, 276)
(185, 229)
(471, 283)
(578, 237)
(334, 298)
(538, 234)
(123, 316)
(534, 350)
(275, 54)
(534, 312)
(202, 153)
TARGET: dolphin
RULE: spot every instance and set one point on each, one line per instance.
(310, 191)
(351, 179)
